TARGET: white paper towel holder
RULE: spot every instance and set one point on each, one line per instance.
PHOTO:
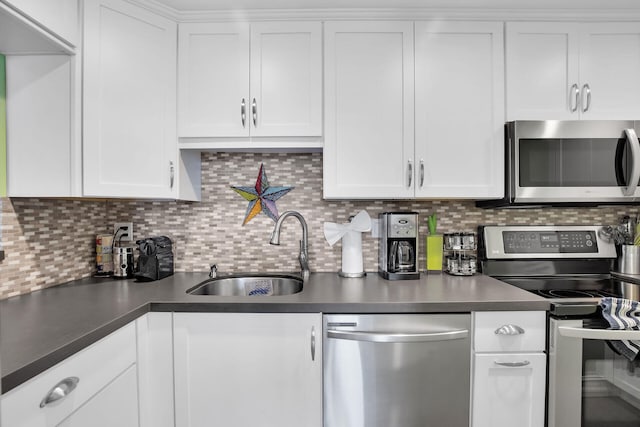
(351, 236)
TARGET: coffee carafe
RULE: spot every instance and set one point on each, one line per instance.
(398, 252)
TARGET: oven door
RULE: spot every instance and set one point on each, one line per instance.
(589, 384)
(574, 161)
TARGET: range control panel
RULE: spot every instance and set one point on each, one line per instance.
(544, 242)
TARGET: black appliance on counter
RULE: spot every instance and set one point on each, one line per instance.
(570, 265)
(398, 252)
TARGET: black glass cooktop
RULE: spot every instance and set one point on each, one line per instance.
(570, 287)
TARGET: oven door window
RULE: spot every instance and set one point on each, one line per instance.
(579, 162)
(602, 391)
(610, 387)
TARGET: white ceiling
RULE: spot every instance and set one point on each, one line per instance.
(218, 5)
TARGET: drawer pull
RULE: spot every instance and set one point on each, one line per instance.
(509, 330)
(60, 390)
(513, 364)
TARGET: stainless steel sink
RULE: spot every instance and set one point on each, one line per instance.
(249, 285)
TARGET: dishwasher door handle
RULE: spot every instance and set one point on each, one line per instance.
(398, 337)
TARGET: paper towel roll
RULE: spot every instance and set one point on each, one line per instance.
(352, 263)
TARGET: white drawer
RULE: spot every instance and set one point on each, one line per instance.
(95, 367)
(507, 331)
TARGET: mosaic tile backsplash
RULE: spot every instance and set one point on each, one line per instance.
(49, 242)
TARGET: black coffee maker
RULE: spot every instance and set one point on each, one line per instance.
(398, 255)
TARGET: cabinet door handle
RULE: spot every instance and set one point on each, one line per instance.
(586, 89)
(509, 330)
(60, 391)
(171, 174)
(313, 343)
(243, 113)
(513, 364)
(409, 173)
(574, 95)
(254, 112)
(421, 173)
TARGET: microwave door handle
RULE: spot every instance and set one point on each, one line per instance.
(598, 334)
(632, 138)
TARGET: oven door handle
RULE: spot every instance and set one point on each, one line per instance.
(598, 334)
(398, 337)
(632, 138)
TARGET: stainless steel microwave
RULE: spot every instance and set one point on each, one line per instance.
(570, 163)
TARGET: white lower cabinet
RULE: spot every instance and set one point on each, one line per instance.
(509, 390)
(248, 369)
(509, 369)
(114, 405)
(100, 383)
(155, 369)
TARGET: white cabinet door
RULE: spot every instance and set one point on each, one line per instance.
(238, 80)
(369, 110)
(560, 70)
(130, 145)
(242, 369)
(286, 79)
(508, 390)
(459, 117)
(114, 405)
(542, 70)
(213, 85)
(610, 70)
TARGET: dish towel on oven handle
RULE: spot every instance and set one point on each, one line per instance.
(623, 313)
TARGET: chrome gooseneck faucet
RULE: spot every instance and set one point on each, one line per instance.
(304, 243)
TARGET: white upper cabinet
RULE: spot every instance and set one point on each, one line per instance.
(213, 68)
(42, 89)
(129, 135)
(571, 71)
(60, 17)
(370, 85)
(459, 140)
(240, 80)
(369, 93)
(38, 26)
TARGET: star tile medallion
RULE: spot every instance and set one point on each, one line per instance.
(261, 197)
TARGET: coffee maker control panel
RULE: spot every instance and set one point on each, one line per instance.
(402, 226)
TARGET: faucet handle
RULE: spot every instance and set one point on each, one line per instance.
(213, 271)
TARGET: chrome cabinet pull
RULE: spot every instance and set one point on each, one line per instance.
(60, 391)
(513, 364)
(243, 113)
(313, 343)
(254, 112)
(409, 173)
(421, 173)
(587, 89)
(398, 337)
(574, 94)
(171, 174)
(509, 330)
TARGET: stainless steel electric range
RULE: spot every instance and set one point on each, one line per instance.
(589, 384)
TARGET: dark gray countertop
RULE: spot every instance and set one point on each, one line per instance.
(41, 329)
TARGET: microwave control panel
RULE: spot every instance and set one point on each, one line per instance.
(545, 242)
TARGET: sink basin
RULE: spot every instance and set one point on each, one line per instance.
(249, 285)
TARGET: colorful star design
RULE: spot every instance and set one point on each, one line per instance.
(261, 197)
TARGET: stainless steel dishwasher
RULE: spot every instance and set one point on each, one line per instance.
(397, 370)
